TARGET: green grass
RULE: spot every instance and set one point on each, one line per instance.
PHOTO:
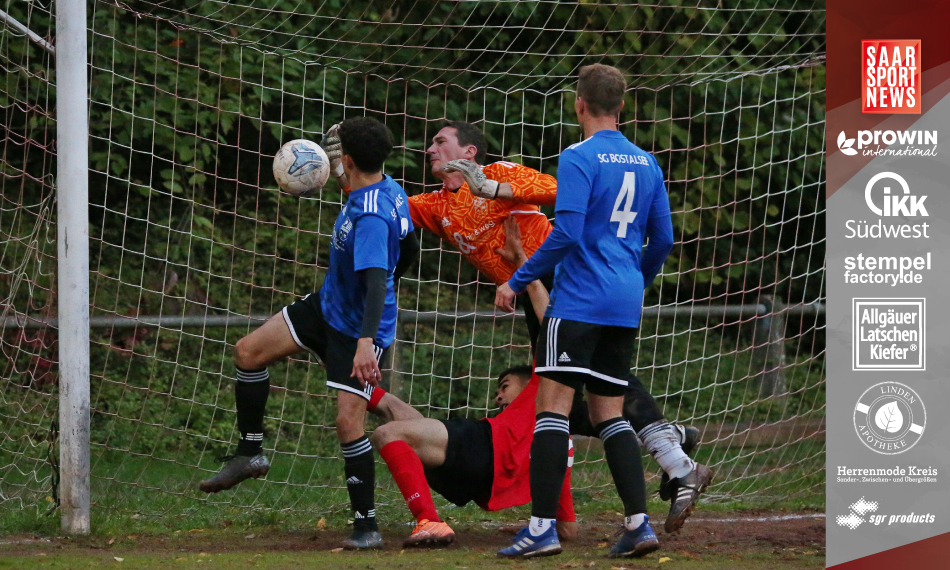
(300, 491)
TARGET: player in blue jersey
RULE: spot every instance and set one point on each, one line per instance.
(611, 197)
(349, 324)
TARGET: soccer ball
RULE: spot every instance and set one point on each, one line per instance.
(301, 167)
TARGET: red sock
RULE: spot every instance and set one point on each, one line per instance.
(406, 468)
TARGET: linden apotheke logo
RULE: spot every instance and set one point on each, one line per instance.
(890, 418)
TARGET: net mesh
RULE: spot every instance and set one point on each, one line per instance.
(191, 242)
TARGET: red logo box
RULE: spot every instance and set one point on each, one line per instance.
(890, 77)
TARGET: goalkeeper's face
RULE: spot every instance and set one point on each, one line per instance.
(445, 147)
(508, 389)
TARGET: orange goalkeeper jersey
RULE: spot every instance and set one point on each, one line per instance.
(476, 225)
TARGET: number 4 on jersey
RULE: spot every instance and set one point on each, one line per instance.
(625, 216)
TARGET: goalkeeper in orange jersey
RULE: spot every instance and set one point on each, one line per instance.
(470, 209)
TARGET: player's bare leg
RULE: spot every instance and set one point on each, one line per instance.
(269, 343)
(408, 447)
(359, 469)
(392, 409)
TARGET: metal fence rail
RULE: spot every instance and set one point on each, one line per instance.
(405, 316)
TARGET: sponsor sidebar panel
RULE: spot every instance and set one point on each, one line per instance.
(888, 285)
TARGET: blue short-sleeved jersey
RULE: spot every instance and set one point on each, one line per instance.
(619, 189)
(366, 234)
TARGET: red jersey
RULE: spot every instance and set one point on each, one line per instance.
(476, 225)
(512, 432)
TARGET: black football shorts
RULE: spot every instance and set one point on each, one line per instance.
(336, 350)
(469, 468)
(580, 355)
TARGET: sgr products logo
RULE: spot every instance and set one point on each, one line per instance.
(893, 204)
(889, 418)
(890, 78)
(865, 511)
(889, 143)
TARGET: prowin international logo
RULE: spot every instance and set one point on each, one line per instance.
(901, 203)
(889, 143)
(865, 511)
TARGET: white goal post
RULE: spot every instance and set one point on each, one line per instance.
(72, 184)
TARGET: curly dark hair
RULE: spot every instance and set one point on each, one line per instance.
(469, 134)
(367, 141)
(523, 371)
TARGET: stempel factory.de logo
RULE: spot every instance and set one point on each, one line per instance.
(890, 77)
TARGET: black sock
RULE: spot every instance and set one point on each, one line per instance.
(548, 463)
(360, 471)
(626, 467)
(250, 396)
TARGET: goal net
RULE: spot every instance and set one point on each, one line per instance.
(192, 244)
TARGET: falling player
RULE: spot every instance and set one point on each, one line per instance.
(349, 324)
(611, 198)
(485, 461)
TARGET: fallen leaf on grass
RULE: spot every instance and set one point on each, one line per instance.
(111, 541)
(665, 559)
(336, 549)
(117, 559)
(250, 536)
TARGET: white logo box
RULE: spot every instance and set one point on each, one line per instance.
(903, 354)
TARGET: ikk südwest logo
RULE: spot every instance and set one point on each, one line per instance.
(890, 77)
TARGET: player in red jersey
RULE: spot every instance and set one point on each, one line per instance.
(485, 461)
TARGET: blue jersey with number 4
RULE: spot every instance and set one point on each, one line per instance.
(619, 190)
(366, 234)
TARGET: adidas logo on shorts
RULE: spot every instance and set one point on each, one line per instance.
(564, 357)
(354, 480)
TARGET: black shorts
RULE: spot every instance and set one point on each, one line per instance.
(336, 350)
(580, 354)
(469, 468)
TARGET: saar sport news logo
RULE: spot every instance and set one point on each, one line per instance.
(865, 511)
(889, 143)
(890, 77)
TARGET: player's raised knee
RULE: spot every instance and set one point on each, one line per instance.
(385, 434)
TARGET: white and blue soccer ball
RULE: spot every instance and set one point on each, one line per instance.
(301, 167)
